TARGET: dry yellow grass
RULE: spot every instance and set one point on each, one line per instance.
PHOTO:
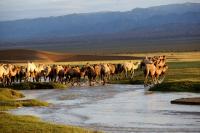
(171, 56)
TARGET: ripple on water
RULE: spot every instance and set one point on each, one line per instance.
(116, 108)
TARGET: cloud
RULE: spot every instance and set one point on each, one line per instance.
(18, 9)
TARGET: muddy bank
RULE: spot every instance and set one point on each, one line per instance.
(181, 86)
(187, 101)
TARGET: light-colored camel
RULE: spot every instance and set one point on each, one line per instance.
(13, 72)
(31, 71)
(34, 71)
(105, 68)
(105, 72)
(2, 71)
(130, 67)
(31, 67)
(46, 72)
(112, 69)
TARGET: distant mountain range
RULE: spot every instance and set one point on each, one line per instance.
(167, 27)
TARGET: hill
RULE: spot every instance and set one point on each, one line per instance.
(23, 55)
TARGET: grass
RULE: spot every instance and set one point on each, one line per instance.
(36, 85)
(9, 94)
(27, 124)
(171, 56)
(181, 76)
(8, 100)
(30, 124)
(184, 86)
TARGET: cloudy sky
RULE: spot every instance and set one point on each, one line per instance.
(19, 9)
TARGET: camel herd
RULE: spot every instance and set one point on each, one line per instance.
(154, 67)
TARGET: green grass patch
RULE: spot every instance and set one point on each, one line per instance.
(175, 65)
(178, 72)
(8, 100)
(9, 94)
(36, 85)
(30, 124)
(11, 104)
(27, 124)
(184, 86)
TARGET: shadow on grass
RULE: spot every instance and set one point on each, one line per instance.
(35, 85)
(181, 86)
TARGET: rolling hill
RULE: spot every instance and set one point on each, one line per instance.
(24, 55)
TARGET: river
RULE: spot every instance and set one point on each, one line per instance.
(115, 109)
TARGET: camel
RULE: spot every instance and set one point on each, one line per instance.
(90, 72)
(150, 70)
(31, 70)
(13, 73)
(112, 69)
(97, 69)
(2, 72)
(21, 74)
(46, 72)
(161, 62)
(119, 70)
(73, 73)
(154, 69)
(130, 67)
(56, 71)
(160, 71)
(105, 72)
(31, 67)
(5, 73)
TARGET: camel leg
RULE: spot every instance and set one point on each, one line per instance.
(132, 75)
(153, 79)
(146, 77)
(90, 82)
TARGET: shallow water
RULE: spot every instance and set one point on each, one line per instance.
(116, 108)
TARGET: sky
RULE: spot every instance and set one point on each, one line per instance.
(20, 9)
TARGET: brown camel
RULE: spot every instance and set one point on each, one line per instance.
(150, 70)
(160, 71)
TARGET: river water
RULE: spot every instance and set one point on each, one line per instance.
(115, 109)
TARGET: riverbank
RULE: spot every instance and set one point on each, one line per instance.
(36, 85)
(188, 101)
(182, 86)
(114, 108)
(17, 124)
